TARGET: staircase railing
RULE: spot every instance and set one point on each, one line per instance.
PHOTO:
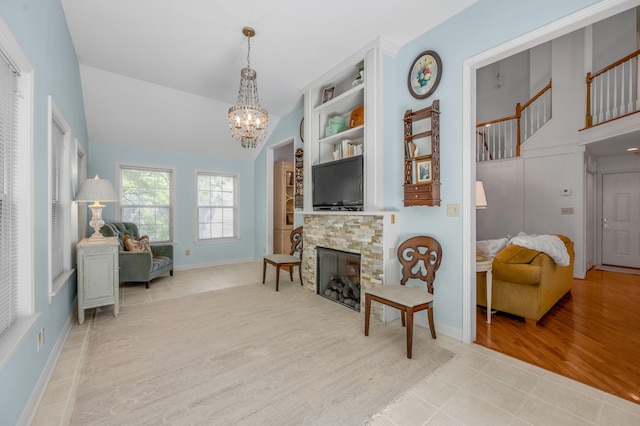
(612, 92)
(503, 137)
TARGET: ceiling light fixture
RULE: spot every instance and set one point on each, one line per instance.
(248, 121)
(632, 149)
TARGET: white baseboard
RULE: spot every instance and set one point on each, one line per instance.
(209, 264)
(31, 408)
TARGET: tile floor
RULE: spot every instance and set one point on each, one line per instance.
(477, 387)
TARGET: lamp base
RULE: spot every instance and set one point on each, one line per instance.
(96, 221)
(97, 236)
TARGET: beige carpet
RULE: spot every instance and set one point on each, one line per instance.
(246, 356)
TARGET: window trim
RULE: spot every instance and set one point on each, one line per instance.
(236, 202)
(80, 173)
(172, 192)
(57, 283)
(14, 337)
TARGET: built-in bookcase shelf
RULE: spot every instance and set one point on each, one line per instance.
(357, 92)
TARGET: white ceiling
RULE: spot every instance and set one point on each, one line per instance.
(163, 73)
(616, 145)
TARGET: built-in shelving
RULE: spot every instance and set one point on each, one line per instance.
(357, 91)
(283, 206)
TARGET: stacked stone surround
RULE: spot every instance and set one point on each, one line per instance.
(350, 233)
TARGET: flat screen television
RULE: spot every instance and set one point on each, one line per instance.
(338, 185)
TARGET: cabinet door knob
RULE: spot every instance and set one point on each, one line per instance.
(416, 195)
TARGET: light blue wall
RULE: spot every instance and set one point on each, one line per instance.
(102, 159)
(484, 25)
(40, 28)
(288, 127)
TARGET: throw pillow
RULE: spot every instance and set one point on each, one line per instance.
(131, 244)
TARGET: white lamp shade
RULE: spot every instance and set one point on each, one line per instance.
(97, 189)
(481, 198)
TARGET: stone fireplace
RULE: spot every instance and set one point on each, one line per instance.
(369, 235)
(338, 276)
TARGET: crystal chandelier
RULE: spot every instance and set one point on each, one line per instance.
(248, 121)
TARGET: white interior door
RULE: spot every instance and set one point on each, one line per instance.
(590, 222)
(621, 219)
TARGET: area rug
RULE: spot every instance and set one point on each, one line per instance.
(246, 356)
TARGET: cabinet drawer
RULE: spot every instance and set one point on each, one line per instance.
(417, 191)
(421, 195)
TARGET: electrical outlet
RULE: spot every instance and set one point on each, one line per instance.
(40, 339)
(566, 210)
(453, 210)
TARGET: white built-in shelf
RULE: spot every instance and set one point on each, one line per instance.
(354, 133)
(346, 101)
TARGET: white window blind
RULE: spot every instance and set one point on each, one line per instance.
(8, 210)
(57, 201)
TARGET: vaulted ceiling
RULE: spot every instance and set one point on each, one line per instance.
(163, 73)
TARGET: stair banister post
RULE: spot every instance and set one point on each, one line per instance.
(518, 114)
(588, 119)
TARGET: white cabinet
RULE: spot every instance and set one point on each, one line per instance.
(98, 275)
(365, 138)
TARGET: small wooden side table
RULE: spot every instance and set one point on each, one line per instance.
(98, 275)
(484, 264)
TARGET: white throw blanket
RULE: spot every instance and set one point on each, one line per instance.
(549, 244)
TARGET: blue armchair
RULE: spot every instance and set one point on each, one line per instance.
(136, 266)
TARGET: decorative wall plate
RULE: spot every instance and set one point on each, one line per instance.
(424, 74)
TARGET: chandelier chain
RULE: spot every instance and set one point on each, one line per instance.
(248, 52)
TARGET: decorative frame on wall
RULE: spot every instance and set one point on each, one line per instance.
(424, 74)
(302, 130)
(423, 171)
(299, 179)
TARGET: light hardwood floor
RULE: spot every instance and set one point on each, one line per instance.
(590, 336)
(477, 387)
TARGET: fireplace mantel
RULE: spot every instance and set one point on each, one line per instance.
(373, 235)
(348, 213)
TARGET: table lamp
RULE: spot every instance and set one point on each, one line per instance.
(481, 198)
(96, 190)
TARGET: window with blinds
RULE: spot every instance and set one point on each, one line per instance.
(57, 200)
(8, 208)
(62, 236)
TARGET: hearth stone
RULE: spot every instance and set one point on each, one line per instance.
(370, 234)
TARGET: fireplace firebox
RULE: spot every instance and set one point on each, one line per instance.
(338, 276)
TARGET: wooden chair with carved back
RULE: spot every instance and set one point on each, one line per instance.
(288, 261)
(420, 257)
